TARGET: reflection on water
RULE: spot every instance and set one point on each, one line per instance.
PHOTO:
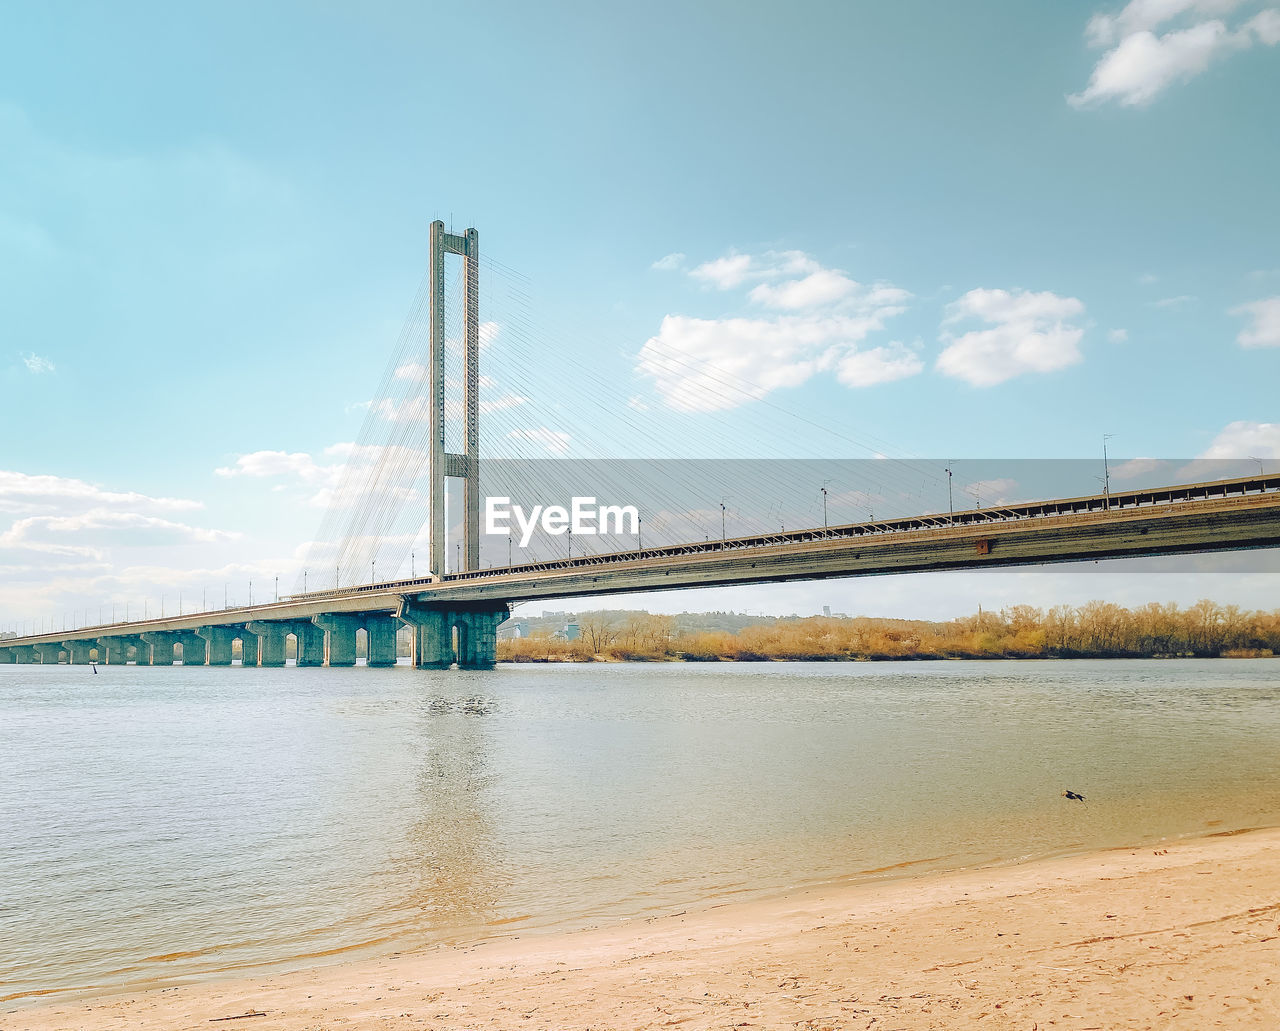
(166, 824)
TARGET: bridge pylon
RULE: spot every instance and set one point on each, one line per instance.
(442, 463)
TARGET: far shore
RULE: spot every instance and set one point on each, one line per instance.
(1184, 934)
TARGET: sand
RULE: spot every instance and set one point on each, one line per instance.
(1183, 936)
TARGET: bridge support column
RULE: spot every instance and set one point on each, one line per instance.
(113, 651)
(310, 644)
(161, 644)
(7, 656)
(432, 635)
(381, 638)
(248, 647)
(433, 627)
(194, 648)
(77, 652)
(48, 652)
(218, 639)
(478, 638)
(340, 631)
(23, 653)
(143, 654)
(271, 637)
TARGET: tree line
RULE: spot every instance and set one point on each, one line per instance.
(1098, 629)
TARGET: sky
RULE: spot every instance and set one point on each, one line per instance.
(919, 231)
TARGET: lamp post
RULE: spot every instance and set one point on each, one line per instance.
(1106, 473)
(951, 507)
(824, 508)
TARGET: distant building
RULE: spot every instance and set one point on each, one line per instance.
(513, 630)
(568, 632)
(826, 611)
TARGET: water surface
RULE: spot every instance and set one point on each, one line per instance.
(164, 824)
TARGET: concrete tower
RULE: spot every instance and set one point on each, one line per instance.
(442, 463)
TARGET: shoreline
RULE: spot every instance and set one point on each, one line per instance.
(1132, 937)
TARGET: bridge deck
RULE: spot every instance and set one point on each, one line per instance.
(1220, 515)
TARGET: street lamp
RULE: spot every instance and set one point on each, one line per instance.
(824, 508)
(1106, 473)
(951, 508)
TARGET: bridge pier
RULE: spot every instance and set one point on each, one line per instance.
(194, 648)
(310, 643)
(340, 628)
(48, 652)
(23, 653)
(433, 627)
(271, 638)
(218, 644)
(161, 644)
(249, 647)
(340, 638)
(78, 652)
(7, 656)
(113, 651)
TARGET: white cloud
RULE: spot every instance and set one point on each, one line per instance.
(1136, 467)
(502, 402)
(1140, 63)
(1118, 336)
(825, 286)
(1265, 328)
(296, 464)
(1181, 301)
(986, 493)
(1106, 30)
(712, 364)
(23, 493)
(1243, 439)
(553, 441)
(103, 528)
(878, 365)
(1030, 332)
(37, 365)
(670, 262)
(724, 273)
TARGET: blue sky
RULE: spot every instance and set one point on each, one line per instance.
(974, 231)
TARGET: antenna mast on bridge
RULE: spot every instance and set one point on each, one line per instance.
(441, 463)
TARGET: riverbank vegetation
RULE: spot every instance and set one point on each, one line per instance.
(1096, 630)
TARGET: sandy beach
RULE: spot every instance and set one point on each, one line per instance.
(1186, 935)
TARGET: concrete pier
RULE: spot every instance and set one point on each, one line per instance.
(248, 647)
(433, 634)
(218, 643)
(340, 637)
(113, 651)
(49, 652)
(161, 644)
(380, 629)
(271, 641)
(79, 653)
(7, 656)
(310, 643)
(194, 648)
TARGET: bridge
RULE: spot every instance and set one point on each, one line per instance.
(454, 616)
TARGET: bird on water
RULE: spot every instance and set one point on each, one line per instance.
(1073, 795)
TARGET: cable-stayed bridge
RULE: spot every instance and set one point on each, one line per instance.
(454, 609)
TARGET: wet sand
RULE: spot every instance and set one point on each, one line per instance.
(1183, 936)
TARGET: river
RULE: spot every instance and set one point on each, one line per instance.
(162, 825)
